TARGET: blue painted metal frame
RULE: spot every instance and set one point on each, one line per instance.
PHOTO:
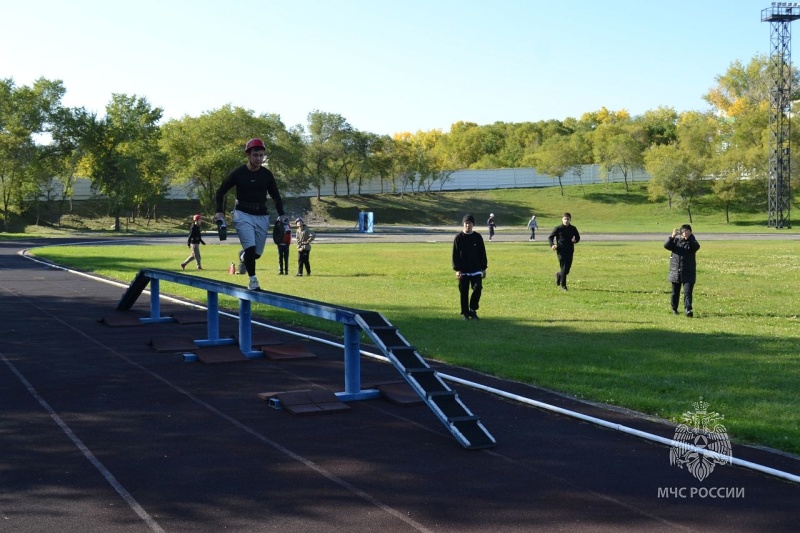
(213, 288)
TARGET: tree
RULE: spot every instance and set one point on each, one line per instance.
(324, 145)
(352, 155)
(70, 134)
(24, 113)
(203, 150)
(620, 144)
(405, 164)
(466, 143)
(741, 101)
(556, 157)
(368, 158)
(123, 157)
(667, 171)
(659, 125)
(725, 189)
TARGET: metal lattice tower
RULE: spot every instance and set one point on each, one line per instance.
(780, 15)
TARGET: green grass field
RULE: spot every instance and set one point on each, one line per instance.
(611, 339)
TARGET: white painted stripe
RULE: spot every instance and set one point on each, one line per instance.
(109, 477)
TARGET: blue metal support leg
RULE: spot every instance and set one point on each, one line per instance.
(212, 315)
(212, 321)
(246, 330)
(352, 367)
(155, 305)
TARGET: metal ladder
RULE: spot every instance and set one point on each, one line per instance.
(440, 398)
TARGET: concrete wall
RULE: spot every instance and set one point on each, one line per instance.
(497, 178)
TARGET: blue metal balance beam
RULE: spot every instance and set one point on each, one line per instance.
(213, 288)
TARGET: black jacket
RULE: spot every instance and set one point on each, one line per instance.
(469, 253)
(562, 236)
(195, 237)
(682, 263)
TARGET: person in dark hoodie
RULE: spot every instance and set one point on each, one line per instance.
(682, 267)
(562, 240)
(469, 263)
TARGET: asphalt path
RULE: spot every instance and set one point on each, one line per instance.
(99, 432)
(338, 235)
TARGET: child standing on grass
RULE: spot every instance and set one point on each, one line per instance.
(303, 238)
(195, 240)
(282, 237)
(470, 263)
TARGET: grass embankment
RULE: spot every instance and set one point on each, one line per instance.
(611, 339)
(595, 208)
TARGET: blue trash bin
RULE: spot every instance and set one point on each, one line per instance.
(365, 222)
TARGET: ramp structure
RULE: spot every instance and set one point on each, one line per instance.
(444, 402)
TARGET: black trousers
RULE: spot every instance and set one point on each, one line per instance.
(565, 264)
(283, 258)
(302, 260)
(464, 284)
(688, 289)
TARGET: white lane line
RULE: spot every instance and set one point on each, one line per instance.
(109, 477)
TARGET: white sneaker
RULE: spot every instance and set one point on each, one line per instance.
(253, 286)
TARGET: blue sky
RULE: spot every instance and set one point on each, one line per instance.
(385, 65)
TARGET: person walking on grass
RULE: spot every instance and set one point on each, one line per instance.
(253, 182)
(533, 226)
(469, 263)
(562, 240)
(194, 242)
(303, 237)
(682, 267)
(490, 223)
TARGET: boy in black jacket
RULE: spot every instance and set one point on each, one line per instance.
(562, 240)
(470, 263)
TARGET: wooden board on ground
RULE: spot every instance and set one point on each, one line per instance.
(287, 351)
(190, 317)
(220, 354)
(121, 320)
(260, 338)
(309, 402)
(172, 344)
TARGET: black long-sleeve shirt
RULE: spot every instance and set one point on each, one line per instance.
(469, 253)
(562, 237)
(195, 236)
(252, 188)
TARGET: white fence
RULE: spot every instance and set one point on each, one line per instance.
(460, 180)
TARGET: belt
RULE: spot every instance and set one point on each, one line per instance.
(251, 206)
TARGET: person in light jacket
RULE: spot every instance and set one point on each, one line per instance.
(533, 226)
(303, 239)
(682, 267)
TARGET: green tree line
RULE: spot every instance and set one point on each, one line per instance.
(132, 158)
